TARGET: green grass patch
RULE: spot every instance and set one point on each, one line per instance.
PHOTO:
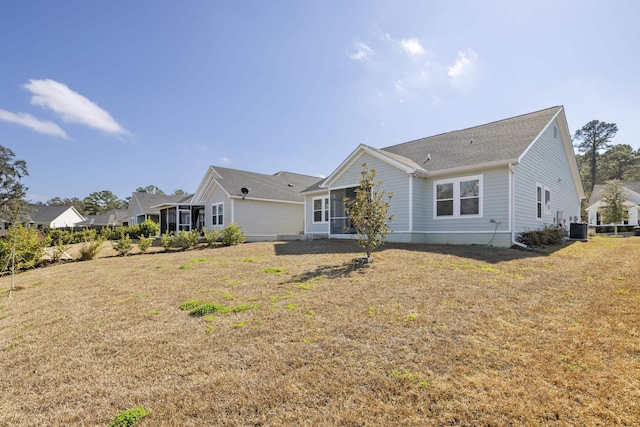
(273, 270)
(227, 295)
(411, 317)
(129, 418)
(199, 308)
(191, 304)
(413, 377)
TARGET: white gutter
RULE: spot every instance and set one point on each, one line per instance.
(411, 203)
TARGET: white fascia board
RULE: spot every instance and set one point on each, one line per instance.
(355, 154)
(266, 200)
(471, 168)
(565, 134)
(571, 155)
(207, 181)
(312, 192)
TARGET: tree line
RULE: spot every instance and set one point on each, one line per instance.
(601, 161)
(100, 202)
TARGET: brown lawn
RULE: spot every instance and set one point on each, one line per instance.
(428, 335)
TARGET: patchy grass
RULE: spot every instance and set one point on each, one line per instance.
(426, 335)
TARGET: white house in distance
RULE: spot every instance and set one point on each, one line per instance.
(42, 216)
(481, 185)
(266, 207)
(633, 204)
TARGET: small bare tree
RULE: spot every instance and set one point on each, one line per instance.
(369, 212)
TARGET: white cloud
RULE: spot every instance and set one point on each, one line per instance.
(40, 126)
(412, 47)
(225, 160)
(464, 71)
(71, 106)
(362, 52)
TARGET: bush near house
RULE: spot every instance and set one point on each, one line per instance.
(232, 235)
(547, 236)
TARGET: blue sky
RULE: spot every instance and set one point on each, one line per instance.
(116, 95)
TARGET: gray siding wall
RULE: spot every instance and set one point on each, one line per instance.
(215, 196)
(495, 204)
(546, 164)
(268, 219)
(421, 193)
(394, 181)
(311, 228)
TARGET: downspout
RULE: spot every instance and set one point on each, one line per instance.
(512, 204)
(411, 203)
(304, 216)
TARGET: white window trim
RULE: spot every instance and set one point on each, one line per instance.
(541, 201)
(324, 210)
(217, 206)
(456, 197)
(547, 208)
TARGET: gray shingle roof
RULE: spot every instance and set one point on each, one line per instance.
(503, 140)
(283, 186)
(147, 200)
(105, 219)
(43, 214)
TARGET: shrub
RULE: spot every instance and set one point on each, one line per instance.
(182, 239)
(149, 228)
(144, 243)
(165, 240)
(107, 233)
(231, 235)
(59, 236)
(124, 245)
(90, 246)
(27, 244)
(211, 236)
(547, 236)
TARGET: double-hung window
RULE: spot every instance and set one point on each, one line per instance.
(320, 209)
(217, 214)
(543, 201)
(458, 197)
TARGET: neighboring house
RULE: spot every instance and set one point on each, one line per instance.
(481, 185)
(267, 207)
(112, 218)
(43, 216)
(633, 204)
(142, 207)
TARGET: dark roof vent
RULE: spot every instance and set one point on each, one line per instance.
(289, 185)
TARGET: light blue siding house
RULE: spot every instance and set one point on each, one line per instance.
(481, 185)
